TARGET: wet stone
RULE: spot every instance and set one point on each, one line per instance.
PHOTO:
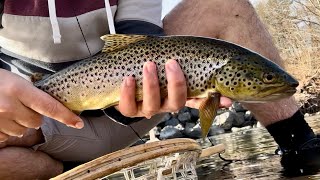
(184, 109)
(238, 119)
(170, 132)
(237, 107)
(225, 120)
(248, 116)
(215, 130)
(193, 131)
(236, 129)
(184, 117)
(194, 113)
(165, 118)
(172, 122)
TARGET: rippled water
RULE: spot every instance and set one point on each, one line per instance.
(254, 148)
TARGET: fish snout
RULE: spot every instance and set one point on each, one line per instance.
(293, 82)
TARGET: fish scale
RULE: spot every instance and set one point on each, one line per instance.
(211, 67)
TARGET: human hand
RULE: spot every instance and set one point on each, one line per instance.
(151, 104)
(22, 106)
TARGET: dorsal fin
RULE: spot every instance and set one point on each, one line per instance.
(117, 41)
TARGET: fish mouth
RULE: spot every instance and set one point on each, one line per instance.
(279, 93)
(286, 93)
(283, 92)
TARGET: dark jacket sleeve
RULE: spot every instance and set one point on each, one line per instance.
(138, 27)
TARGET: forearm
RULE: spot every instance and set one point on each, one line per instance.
(234, 21)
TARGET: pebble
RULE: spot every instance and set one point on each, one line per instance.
(236, 129)
(184, 117)
(194, 113)
(237, 107)
(172, 122)
(170, 132)
(215, 130)
(193, 131)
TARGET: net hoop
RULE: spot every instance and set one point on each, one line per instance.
(177, 153)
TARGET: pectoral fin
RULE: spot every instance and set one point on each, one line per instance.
(208, 111)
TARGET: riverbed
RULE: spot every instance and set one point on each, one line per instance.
(253, 152)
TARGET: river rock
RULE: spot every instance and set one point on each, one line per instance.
(238, 119)
(184, 117)
(225, 120)
(192, 130)
(170, 132)
(172, 122)
(248, 116)
(237, 107)
(194, 113)
(164, 119)
(236, 129)
(184, 109)
(215, 130)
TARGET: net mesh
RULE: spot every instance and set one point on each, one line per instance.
(175, 166)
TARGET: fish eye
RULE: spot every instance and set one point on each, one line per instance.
(269, 77)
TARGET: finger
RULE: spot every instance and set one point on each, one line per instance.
(127, 103)
(46, 105)
(3, 137)
(225, 102)
(195, 103)
(177, 88)
(27, 117)
(12, 128)
(151, 90)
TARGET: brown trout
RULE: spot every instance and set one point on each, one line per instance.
(212, 68)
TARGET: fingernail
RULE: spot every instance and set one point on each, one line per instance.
(37, 128)
(172, 66)
(20, 136)
(79, 125)
(151, 67)
(129, 81)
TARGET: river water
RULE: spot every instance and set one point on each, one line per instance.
(253, 152)
(254, 148)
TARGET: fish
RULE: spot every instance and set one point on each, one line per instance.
(212, 68)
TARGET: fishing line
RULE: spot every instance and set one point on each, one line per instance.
(137, 134)
(84, 38)
(229, 161)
